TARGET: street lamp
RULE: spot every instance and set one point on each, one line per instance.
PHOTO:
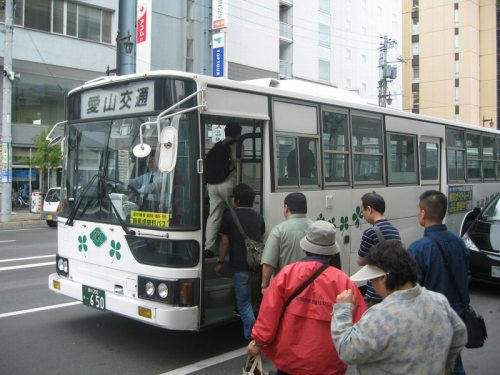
(490, 120)
(128, 44)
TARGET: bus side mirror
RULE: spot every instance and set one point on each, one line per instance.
(168, 149)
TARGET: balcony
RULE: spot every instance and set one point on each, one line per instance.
(286, 32)
(285, 69)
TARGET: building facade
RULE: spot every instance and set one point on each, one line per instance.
(57, 45)
(452, 51)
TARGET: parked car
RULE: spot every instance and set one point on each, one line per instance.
(480, 231)
(51, 206)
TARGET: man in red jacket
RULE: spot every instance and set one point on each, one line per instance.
(296, 337)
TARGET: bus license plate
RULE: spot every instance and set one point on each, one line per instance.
(93, 297)
(495, 271)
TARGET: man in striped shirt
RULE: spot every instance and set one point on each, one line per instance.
(373, 208)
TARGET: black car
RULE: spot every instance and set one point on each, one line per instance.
(481, 234)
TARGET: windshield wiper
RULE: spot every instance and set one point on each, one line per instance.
(73, 212)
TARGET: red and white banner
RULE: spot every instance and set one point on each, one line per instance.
(219, 14)
(143, 36)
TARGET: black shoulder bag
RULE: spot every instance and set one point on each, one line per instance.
(476, 328)
(254, 248)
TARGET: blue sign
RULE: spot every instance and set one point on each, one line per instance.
(218, 62)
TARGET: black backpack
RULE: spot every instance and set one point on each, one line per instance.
(218, 163)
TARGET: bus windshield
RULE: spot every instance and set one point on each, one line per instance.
(130, 187)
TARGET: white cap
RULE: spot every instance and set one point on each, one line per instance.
(368, 272)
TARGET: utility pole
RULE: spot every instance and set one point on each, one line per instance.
(388, 73)
(8, 76)
(125, 40)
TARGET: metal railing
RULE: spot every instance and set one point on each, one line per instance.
(286, 30)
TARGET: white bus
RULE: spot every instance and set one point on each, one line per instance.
(145, 260)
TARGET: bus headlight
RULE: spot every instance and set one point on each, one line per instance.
(62, 266)
(162, 290)
(150, 288)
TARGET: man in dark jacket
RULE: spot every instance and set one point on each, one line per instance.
(432, 271)
(253, 225)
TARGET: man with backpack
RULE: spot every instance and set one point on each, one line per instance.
(238, 223)
(373, 208)
(220, 176)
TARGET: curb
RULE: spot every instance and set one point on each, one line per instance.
(24, 224)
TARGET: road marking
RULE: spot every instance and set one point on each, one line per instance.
(26, 258)
(4, 241)
(207, 362)
(21, 312)
(16, 230)
(27, 266)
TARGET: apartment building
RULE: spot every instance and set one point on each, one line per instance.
(452, 49)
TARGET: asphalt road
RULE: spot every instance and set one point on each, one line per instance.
(76, 339)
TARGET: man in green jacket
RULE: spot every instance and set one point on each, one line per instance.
(283, 243)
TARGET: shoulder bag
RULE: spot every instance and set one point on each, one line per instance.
(476, 328)
(254, 248)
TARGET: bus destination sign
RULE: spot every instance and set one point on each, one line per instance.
(118, 100)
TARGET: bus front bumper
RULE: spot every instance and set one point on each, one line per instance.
(165, 316)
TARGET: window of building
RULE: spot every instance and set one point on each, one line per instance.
(415, 48)
(456, 17)
(65, 17)
(324, 6)
(289, 161)
(38, 99)
(37, 14)
(324, 35)
(363, 87)
(414, 26)
(455, 154)
(415, 4)
(402, 158)
(429, 161)
(348, 83)
(416, 99)
(416, 74)
(367, 145)
(335, 141)
(324, 70)
(363, 59)
(489, 157)
(58, 16)
(473, 146)
(457, 43)
(457, 95)
(457, 68)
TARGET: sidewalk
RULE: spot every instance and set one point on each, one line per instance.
(22, 219)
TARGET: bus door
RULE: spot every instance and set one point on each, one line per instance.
(218, 297)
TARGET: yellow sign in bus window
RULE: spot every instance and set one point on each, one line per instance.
(152, 219)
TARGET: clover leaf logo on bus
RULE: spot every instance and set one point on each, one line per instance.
(114, 252)
(82, 245)
(343, 223)
(357, 216)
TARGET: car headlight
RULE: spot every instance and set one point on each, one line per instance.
(469, 243)
(150, 288)
(162, 290)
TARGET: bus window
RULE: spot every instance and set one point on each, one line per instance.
(473, 144)
(489, 157)
(429, 161)
(455, 152)
(402, 159)
(368, 149)
(288, 159)
(335, 140)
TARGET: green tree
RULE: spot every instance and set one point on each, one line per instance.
(45, 158)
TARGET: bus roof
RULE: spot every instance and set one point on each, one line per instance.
(293, 89)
